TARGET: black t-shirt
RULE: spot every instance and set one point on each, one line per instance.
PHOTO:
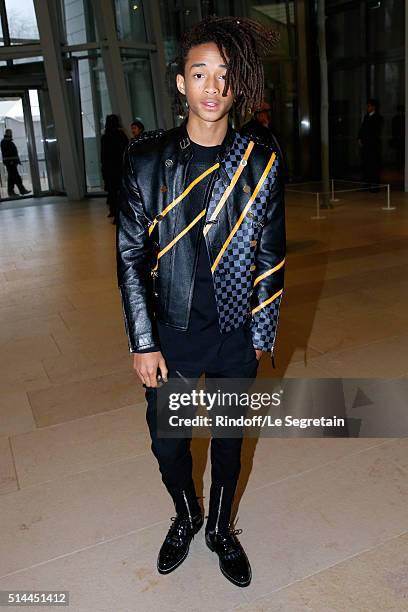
(204, 314)
(203, 323)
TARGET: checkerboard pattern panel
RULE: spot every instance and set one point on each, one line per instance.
(264, 325)
(235, 154)
(232, 280)
(232, 277)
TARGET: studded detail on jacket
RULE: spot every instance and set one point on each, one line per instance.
(243, 222)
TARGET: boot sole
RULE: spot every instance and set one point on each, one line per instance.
(227, 576)
(180, 561)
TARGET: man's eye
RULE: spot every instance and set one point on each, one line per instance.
(222, 76)
(198, 74)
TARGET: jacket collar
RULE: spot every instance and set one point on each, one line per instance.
(184, 142)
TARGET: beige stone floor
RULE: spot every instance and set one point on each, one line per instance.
(82, 506)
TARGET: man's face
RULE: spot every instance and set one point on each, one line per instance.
(370, 108)
(135, 131)
(203, 83)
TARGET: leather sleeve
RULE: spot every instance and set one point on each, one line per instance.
(133, 256)
(152, 349)
(268, 279)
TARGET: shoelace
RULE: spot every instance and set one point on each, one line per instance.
(231, 546)
(178, 530)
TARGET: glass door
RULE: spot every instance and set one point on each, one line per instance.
(22, 133)
(47, 150)
(15, 170)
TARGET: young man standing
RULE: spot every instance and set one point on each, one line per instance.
(201, 253)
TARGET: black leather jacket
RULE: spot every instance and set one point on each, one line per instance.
(243, 224)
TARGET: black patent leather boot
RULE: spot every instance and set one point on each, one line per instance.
(221, 539)
(233, 561)
(177, 541)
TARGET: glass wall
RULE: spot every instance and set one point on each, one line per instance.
(176, 18)
(280, 77)
(140, 88)
(95, 100)
(130, 20)
(22, 22)
(365, 46)
(385, 23)
(136, 61)
(339, 45)
(347, 98)
(95, 105)
(78, 21)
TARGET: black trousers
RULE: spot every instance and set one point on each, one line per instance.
(13, 178)
(230, 357)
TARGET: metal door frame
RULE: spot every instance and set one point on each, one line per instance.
(32, 149)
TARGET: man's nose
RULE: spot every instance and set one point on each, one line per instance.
(212, 86)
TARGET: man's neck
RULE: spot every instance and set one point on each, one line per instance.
(207, 133)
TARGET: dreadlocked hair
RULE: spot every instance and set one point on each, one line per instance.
(241, 42)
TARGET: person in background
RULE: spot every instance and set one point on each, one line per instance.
(261, 124)
(136, 128)
(11, 160)
(113, 144)
(369, 139)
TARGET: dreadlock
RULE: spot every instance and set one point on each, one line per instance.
(241, 42)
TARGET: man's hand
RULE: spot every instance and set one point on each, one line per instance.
(146, 365)
(258, 354)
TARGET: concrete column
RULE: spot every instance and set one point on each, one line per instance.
(51, 37)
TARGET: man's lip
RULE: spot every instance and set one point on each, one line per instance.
(210, 103)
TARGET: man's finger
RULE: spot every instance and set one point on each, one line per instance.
(258, 354)
(151, 377)
(163, 369)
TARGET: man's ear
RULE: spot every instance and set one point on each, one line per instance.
(181, 86)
